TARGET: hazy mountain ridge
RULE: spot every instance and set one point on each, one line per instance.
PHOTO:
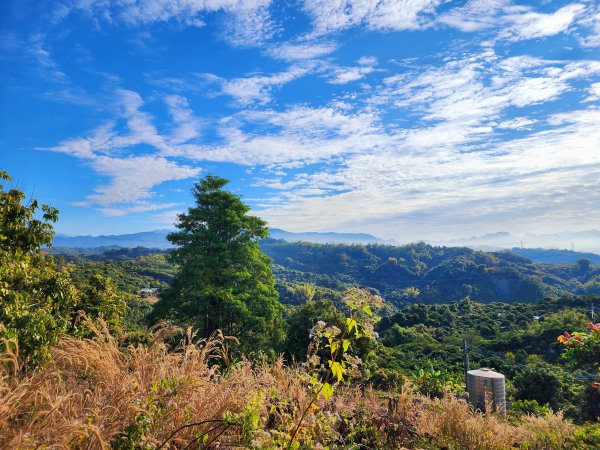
(554, 256)
(325, 237)
(148, 239)
(158, 239)
(581, 241)
(501, 241)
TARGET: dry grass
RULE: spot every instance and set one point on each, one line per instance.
(97, 395)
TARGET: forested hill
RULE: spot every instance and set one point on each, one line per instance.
(423, 273)
(401, 274)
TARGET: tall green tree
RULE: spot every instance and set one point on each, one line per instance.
(224, 280)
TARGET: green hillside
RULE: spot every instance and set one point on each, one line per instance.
(415, 273)
(423, 273)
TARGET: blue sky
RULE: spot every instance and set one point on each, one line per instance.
(408, 119)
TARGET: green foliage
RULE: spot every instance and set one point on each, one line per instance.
(583, 348)
(341, 364)
(35, 298)
(129, 275)
(543, 383)
(584, 264)
(99, 297)
(436, 382)
(301, 319)
(423, 273)
(531, 407)
(223, 281)
(38, 301)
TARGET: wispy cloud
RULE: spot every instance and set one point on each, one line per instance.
(257, 88)
(510, 21)
(330, 16)
(301, 50)
(475, 15)
(132, 181)
(187, 126)
(435, 193)
(344, 75)
(248, 23)
(523, 23)
(133, 176)
(590, 21)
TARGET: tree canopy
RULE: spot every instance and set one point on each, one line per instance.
(38, 300)
(224, 281)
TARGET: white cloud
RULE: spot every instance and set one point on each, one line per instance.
(187, 125)
(98, 142)
(133, 177)
(367, 61)
(249, 21)
(344, 75)
(451, 169)
(517, 123)
(591, 21)
(526, 24)
(36, 48)
(257, 88)
(290, 138)
(517, 183)
(331, 16)
(512, 22)
(301, 51)
(594, 91)
(475, 15)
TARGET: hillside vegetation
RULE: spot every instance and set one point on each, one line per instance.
(332, 347)
(98, 394)
(402, 275)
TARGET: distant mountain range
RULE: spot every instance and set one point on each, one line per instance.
(158, 239)
(553, 256)
(546, 248)
(326, 238)
(580, 241)
(149, 239)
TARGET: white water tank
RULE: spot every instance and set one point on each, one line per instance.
(485, 385)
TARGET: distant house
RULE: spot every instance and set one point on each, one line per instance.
(148, 292)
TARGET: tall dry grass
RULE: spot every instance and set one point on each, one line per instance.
(96, 394)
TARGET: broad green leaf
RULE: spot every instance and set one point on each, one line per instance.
(337, 370)
(334, 346)
(346, 344)
(351, 324)
(327, 391)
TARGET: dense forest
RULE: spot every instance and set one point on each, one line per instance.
(233, 339)
(402, 275)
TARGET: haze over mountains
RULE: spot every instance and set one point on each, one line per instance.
(582, 241)
(157, 239)
(542, 248)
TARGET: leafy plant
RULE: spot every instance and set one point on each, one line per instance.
(340, 363)
(435, 382)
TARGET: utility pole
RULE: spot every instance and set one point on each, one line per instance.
(466, 363)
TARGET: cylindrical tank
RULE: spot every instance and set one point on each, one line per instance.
(485, 385)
